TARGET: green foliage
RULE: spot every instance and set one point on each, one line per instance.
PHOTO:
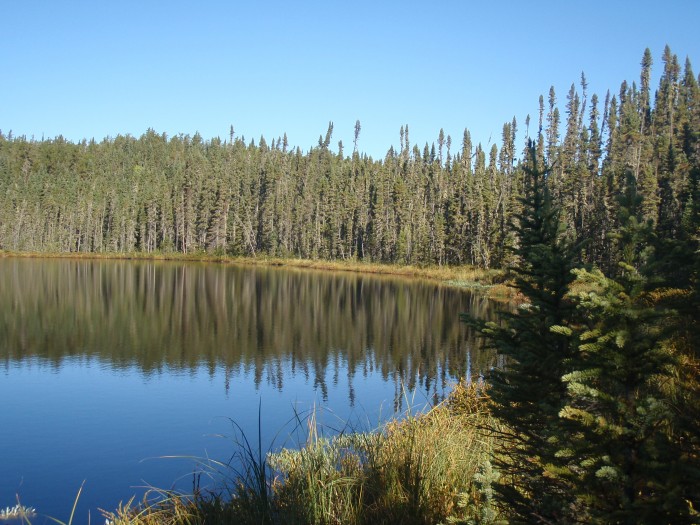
(155, 194)
(479, 507)
(595, 372)
(183, 194)
(622, 461)
(633, 392)
(527, 393)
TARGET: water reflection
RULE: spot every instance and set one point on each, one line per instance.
(267, 322)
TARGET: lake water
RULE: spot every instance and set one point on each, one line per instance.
(116, 375)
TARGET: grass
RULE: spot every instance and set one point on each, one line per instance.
(18, 512)
(24, 514)
(429, 468)
(486, 281)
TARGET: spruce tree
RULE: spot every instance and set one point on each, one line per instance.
(625, 463)
(527, 392)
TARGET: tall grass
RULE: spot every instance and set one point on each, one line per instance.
(427, 468)
(24, 514)
(462, 276)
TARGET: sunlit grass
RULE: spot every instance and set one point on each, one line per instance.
(18, 512)
(158, 507)
(433, 467)
(428, 468)
(24, 514)
(460, 276)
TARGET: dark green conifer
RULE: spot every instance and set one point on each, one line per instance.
(528, 393)
(625, 463)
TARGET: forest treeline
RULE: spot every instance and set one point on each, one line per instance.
(451, 202)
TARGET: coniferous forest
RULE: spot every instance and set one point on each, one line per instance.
(450, 202)
(596, 214)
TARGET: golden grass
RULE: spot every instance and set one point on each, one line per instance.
(423, 469)
(171, 509)
(465, 276)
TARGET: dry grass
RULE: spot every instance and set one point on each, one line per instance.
(422, 469)
(167, 509)
(489, 282)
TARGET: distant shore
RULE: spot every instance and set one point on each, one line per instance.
(490, 282)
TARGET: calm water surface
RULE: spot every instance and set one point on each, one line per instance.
(107, 367)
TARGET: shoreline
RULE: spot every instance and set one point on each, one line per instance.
(489, 282)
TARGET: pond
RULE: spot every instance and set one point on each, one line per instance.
(123, 375)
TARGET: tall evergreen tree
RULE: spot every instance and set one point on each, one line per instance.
(527, 393)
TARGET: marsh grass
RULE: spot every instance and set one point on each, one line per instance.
(420, 469)
(17, 513)
(24, 514)
(461, 276)
(158, 507)
(432, 467)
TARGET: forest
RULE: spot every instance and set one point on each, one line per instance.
(594, 416)
(448, 203)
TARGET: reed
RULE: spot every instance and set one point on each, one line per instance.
(428, 468)
(158, 507)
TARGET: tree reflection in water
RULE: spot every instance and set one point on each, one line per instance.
(270, 322)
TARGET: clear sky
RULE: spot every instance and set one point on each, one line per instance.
(101, 68)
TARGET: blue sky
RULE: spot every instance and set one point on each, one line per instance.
(96, 69)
